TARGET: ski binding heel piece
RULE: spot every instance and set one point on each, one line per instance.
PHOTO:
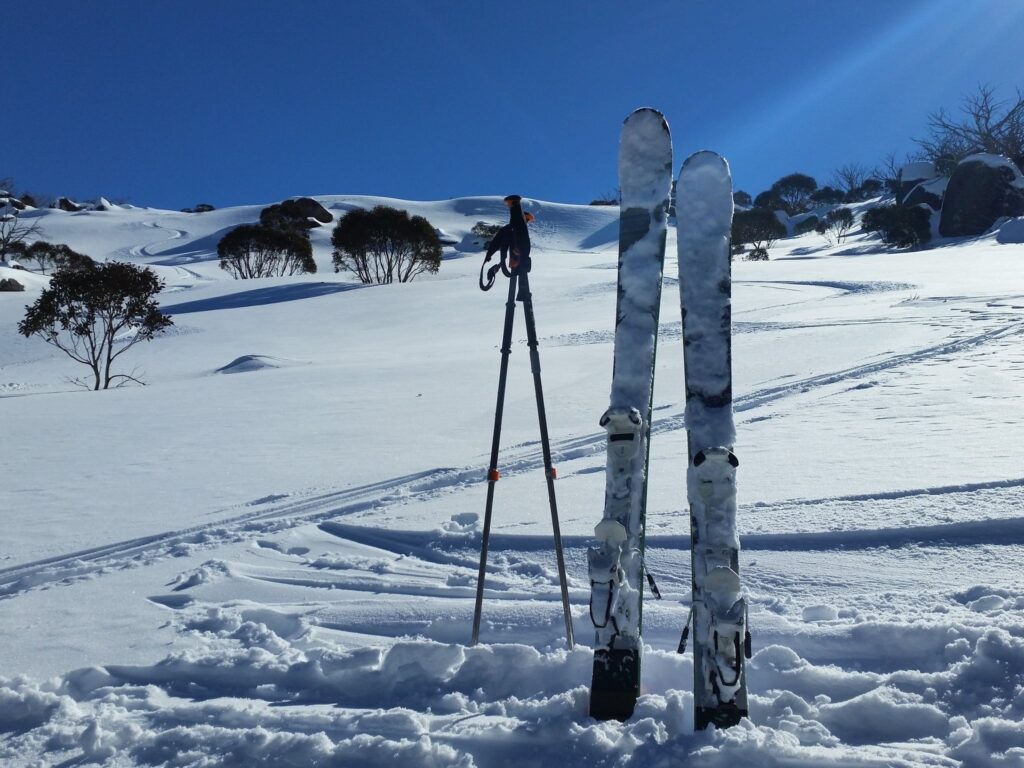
(728, 614)
(605, 567)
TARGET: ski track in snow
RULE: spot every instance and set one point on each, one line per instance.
(145, 250)
(87, 563)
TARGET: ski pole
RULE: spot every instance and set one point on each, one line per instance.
(549, 470)
(492, 472)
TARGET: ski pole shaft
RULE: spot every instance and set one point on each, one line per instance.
(492, 474)
(549, 471)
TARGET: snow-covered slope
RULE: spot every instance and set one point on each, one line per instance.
(276, 567)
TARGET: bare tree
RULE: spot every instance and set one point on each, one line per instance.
(849, 177)
(14, 231)
(987, 125)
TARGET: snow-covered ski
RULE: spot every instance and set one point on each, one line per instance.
(616, 563)
(721, 640)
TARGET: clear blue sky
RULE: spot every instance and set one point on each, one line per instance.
(170, 104)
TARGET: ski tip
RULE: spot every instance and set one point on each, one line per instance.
(646, 113)
(706, 161)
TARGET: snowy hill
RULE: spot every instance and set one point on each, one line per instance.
(267, 555)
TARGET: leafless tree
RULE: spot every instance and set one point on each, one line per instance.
(14, 231)
(987, 125)
(849, 177)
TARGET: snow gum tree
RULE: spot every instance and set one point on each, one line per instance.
(836, 225)
(385, 245)
(794, 192)
(759, 227)
(256, 250)
(94, 313)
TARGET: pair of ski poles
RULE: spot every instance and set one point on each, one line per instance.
(519, 285)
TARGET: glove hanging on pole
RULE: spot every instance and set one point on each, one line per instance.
(513, 243)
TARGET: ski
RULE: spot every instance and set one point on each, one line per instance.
(616, 563)
(718, 615)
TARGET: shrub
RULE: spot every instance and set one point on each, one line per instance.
(47, 255)
(758, 254)
(836, 225)
(899, 226)
(742, 198)
(828, 196)
(869, 189)
(385, 245)
(85, 311)
(485, 232)
(254, 250)
(759, 226)
(807, 225)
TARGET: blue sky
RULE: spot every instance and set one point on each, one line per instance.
(170, 104)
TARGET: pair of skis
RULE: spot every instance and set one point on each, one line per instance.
(718, 615)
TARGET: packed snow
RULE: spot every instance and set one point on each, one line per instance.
(277, 568)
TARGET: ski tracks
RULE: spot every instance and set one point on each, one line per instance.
(88, 563)
(145, 251)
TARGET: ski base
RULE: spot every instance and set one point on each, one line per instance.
(616, 683)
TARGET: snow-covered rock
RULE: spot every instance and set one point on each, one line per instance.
(982, 189)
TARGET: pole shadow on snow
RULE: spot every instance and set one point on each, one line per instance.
(260, 296)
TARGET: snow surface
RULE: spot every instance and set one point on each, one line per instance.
(278, 568)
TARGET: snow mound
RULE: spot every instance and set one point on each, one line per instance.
(247, 363)
(1011, 232)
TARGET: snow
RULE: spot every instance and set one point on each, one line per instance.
(1011, 232)
(917, 171)
(278, 568)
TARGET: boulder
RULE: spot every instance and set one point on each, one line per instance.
(10, 285)
(311, 209)
(911, 175)
(928, 193)
(66, 204)
(983, 189)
